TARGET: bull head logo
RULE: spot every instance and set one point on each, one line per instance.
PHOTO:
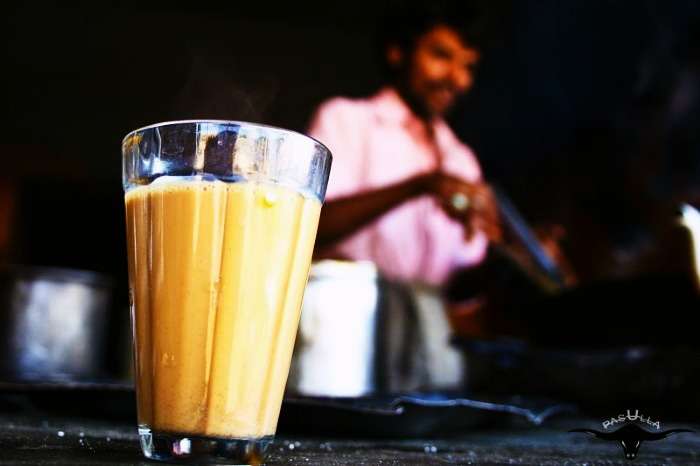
(631, 437)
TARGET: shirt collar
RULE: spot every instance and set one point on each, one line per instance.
(391, 108)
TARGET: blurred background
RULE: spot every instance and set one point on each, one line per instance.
(585, 112)
(579, 108)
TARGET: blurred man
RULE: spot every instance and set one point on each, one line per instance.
(404, 191)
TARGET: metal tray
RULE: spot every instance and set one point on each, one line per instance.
(411, 415)
(405, 415)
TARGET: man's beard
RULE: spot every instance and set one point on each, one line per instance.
(417, 102)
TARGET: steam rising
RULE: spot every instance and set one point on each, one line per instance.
(225, 91)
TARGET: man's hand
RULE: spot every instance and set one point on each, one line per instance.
(472, 204)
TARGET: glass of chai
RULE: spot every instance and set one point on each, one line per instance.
(221, 223)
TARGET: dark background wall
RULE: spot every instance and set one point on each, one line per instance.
(564, 98)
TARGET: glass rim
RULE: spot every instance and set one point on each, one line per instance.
(327, 151)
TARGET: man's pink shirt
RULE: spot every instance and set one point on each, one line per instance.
(377, 142)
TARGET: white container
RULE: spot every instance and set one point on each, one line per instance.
(335, 353)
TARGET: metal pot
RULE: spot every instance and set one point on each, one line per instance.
(52, 323)
(361, 334)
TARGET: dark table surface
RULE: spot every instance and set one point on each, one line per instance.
(37, 440)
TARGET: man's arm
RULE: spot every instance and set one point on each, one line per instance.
(344, 216)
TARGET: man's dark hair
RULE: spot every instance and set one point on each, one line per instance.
(405, 22)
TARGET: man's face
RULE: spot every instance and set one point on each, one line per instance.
(440, 69)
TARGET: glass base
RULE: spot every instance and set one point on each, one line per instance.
(192, 449)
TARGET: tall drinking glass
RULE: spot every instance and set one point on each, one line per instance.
(221, 223)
